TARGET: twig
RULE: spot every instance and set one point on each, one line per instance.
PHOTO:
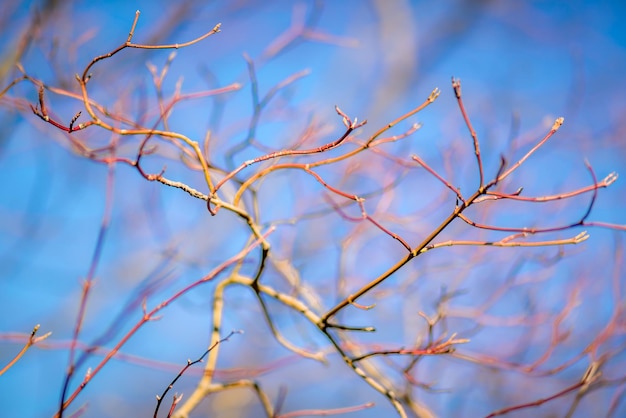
(31, 341)
(88, 284)
(590, 376)
(184, 369)
(456, 86)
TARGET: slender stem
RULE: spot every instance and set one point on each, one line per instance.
(414, 253)
(456, 85)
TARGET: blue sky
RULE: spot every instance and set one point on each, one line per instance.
(522, 64)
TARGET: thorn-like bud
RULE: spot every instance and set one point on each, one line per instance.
(434, 94)
(581, 237)
(610, 179)
(557, 123)
(346, 119)
(74, 119)
(456, 85)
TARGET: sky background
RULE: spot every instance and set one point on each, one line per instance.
(522, 65)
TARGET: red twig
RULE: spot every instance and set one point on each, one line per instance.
(32, 340)
(590, 376)
(42, 112)
(182, 371)
(88, 283)
(128, 44)
(366, 216)
(456, 86)
(151, 316)
(440, 178)
(555, 127)
(259, 106)
(606, 182)
(350, 126)
(327, 412)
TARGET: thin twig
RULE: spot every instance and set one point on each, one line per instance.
(32, 340)
(184, 369)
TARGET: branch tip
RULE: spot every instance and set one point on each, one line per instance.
(611, 178)
(456, 85)
(434, 94)
(583, 236)
(557, 123)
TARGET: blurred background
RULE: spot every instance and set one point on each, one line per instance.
(535, 317)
